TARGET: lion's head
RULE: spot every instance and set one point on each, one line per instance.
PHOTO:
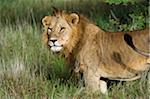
(60, 30)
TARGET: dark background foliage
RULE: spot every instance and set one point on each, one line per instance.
(110, 15)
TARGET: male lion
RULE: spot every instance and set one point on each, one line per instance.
(94, 52)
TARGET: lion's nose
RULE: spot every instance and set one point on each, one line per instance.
(53, 40)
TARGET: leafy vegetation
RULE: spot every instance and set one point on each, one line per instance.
(29, 70)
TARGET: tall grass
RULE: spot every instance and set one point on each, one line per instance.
(29, 70)
(26, 65)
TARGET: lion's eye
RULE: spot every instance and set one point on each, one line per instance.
(49, 29)
(62, 28)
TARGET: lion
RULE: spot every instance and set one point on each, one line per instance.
(94, 52)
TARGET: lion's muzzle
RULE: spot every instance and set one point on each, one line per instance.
(55, 46)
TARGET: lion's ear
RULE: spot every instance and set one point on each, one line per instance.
(46, 20)
(74, 18)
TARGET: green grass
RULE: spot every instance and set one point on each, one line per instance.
(29, 70)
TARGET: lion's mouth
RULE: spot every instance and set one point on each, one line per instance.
(55, 47)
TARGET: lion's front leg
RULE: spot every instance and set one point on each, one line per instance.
(93, 82)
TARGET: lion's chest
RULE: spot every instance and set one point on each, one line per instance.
(88, 56)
